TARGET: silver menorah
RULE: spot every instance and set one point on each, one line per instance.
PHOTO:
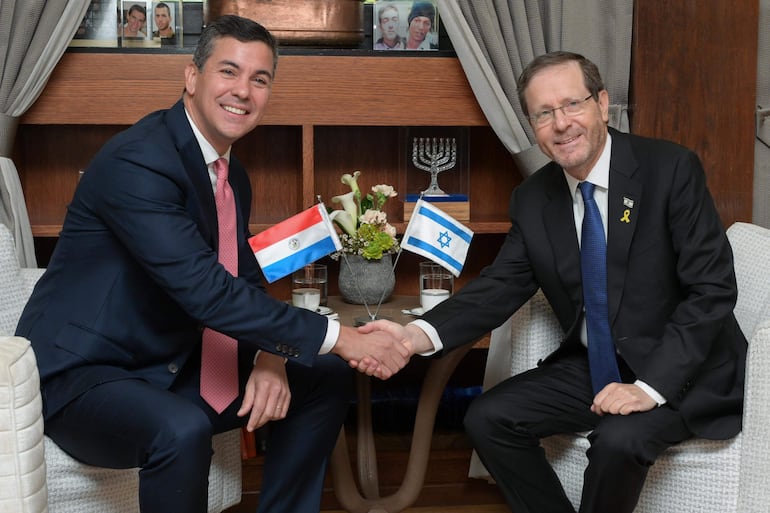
(435, 155)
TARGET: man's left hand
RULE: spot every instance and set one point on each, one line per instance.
(622, 399)
(267, 395)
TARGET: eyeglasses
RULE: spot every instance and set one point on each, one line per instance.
(571, 108)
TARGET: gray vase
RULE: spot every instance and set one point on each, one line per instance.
(364, 281)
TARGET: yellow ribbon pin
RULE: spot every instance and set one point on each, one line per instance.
(625, 217)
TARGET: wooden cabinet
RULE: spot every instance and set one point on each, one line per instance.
(328, 115)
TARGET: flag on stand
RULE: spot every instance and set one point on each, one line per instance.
(436, 235)
(295, 242)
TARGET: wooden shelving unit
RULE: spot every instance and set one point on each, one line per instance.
(328, 115)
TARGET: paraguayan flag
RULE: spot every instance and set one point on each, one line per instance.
(295, 242)
(436, 235)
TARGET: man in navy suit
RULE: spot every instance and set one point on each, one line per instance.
(116, 321)
(670, 289)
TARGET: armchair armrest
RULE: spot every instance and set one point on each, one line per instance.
(755, 449)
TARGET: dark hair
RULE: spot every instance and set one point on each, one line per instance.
(424, 9)
(137, 7)
(161, 5)
(591, 76)
(242, 29)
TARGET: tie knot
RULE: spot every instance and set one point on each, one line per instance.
(220, 168)
(587, 190)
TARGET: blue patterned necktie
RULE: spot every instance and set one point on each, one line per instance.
(593, 264)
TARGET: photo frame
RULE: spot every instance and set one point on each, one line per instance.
(134, 23)
(405, 25)
(166, 22)
(99, 27)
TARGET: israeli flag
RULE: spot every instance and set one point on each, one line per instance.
(437, 236)
(295, 242)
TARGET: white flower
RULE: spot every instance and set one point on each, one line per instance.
(348, 221)
(362, 220)
(386, 190)
(374, 217)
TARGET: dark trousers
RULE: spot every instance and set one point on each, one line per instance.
(132, 423)
(507, 422)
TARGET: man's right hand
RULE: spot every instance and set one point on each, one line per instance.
(376, 354)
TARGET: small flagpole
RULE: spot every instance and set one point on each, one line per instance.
(358, 289)
(395, 263)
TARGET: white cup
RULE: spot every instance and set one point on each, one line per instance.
(312, 276)
(431, 297)
(307, 298)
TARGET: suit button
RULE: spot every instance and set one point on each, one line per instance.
(173, 368)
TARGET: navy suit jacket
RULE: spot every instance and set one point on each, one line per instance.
(671, 282)
(135, 277)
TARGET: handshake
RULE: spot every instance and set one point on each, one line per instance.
(380, 348)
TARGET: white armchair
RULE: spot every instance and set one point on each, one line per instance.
(36, 476)
(698, 475)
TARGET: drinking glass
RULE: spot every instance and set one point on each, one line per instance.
(436, 284)
(312, 276)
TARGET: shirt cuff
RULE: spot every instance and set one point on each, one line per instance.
(651, 392)
(332, 334)
(432, 336)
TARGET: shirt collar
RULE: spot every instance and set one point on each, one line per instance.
(599, 175)
(210, 155)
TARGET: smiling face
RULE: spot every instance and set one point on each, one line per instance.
(573, 142)
(419, 28)
(134, 21)
(229, 95)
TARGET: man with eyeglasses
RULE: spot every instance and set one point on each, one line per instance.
(660, 292)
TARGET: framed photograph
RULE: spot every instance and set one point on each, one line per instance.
(134, 24)
(99, 27)
(405, 25)
(167, 23)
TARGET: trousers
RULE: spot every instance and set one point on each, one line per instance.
(167, 433)
(506, 423)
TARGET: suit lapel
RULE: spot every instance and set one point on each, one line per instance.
(198, 173)
(559, 221)
(623, 204)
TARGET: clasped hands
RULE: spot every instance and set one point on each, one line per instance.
(380, 348)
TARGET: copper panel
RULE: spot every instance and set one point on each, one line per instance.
(300, 22)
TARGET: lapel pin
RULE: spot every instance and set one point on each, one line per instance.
(628, 202)
(626, 214)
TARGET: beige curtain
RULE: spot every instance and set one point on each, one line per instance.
(761, 214)
(33, 37)
(496, 39)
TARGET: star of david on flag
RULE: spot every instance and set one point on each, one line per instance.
(295, 242)
(436, 235)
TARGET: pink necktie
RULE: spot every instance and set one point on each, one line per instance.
(219, 353)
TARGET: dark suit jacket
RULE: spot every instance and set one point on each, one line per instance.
(671, 283)
(135, 277)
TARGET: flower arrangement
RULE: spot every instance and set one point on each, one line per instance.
(364, 225)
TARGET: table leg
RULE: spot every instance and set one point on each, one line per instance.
(370, 502)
